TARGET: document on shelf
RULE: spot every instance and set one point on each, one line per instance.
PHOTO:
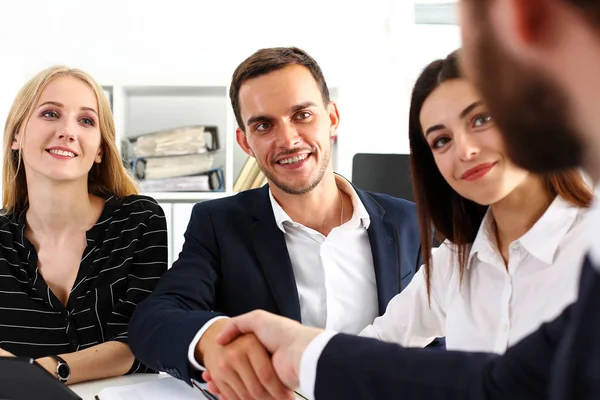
(160, 389)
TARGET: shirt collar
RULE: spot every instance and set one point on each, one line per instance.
(360, 216)
(541, 241)
(485, 240)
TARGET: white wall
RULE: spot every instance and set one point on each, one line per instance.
(370, 50)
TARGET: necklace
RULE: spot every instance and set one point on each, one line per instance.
(342, 202)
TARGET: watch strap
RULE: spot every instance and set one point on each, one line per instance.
(60, 361)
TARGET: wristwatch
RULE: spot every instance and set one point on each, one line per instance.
(63, 371)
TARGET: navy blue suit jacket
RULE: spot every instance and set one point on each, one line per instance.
(560, 361)
(235, 260)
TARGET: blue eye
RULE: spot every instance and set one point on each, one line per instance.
(440, 142)
(88, 121)
(49, 114)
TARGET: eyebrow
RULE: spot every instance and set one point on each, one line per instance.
(462, 115)
(293, 109)
(57, 104)
(467, 110)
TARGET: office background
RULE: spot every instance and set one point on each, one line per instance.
(157, 58)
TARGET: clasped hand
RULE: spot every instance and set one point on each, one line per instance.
(244, 369)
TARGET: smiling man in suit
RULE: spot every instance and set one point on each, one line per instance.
(308, 246)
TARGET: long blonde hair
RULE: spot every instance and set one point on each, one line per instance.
(104, 179)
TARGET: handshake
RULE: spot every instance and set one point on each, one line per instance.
(254, 356)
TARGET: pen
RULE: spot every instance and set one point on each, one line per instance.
(205, 392)
(300, 395)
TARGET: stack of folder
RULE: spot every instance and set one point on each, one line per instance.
(179, 159)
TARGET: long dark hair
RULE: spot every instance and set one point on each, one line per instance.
(439, 207)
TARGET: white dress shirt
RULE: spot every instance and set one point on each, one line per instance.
(335, 275)
(495, 306)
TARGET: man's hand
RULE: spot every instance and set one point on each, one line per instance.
(284, 338)
(4, 353)
(241, 369)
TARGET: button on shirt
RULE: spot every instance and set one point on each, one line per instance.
(496, 305)
(334, 274)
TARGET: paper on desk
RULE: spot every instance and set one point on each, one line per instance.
(159, 389)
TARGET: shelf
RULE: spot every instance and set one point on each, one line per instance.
(174, 197)
(207, 91)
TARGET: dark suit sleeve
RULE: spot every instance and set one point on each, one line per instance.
(164, 325)
(359, 368)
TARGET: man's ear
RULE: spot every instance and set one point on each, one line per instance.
(530, 18)
(242, 140)
(334, 118)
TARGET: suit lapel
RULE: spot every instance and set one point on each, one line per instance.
(383, 237)
(274, 259)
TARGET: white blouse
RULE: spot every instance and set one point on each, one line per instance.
(494, 307)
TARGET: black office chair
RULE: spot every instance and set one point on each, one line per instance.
(383, 173)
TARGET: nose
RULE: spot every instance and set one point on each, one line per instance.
(466, 146)
(288, 136)
(66, 131)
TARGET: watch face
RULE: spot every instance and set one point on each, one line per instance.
(63, 371)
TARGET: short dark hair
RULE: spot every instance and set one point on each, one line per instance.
(268, 60)
(439, 207)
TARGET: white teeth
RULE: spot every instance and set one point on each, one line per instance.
(62, 153)
(293, 160)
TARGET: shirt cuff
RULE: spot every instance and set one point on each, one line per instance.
(192, 348)
(309, 361)
(370, 332)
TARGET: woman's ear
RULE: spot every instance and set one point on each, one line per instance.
(15, 145)
(98, 158)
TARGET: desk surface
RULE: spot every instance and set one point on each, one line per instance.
(88, 390)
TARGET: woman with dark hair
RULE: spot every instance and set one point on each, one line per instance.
(513, 241)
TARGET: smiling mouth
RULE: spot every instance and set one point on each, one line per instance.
(63, 153)
(293, 160)
(478, 171)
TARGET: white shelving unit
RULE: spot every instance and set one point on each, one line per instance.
(148, 108)
(145, 108)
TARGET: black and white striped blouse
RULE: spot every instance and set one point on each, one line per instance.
(125, 256)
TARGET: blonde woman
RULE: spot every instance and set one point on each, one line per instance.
(79, 248)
